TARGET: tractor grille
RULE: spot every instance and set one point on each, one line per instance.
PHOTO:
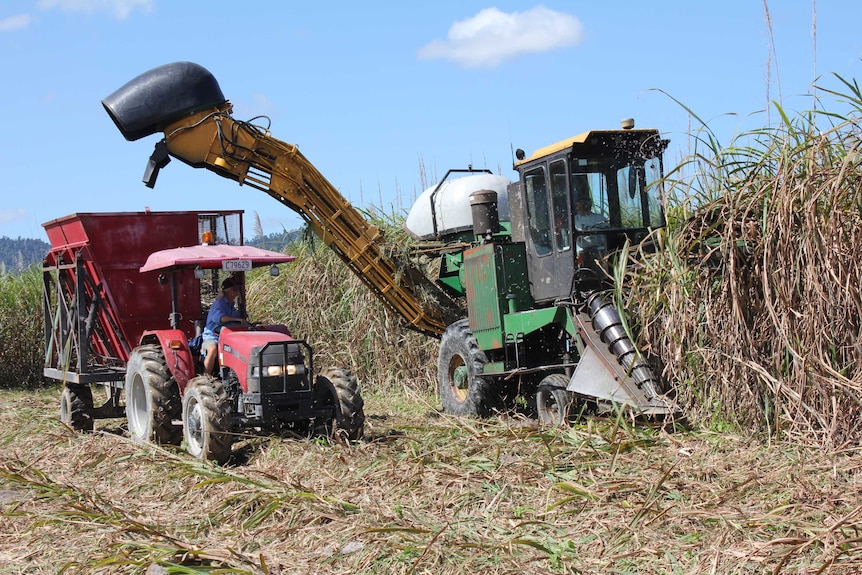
(283, 384)
(283, 369)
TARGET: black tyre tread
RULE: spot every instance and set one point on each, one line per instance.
(481, 399)
(216, 407)
(78, 413)
(350, 407)
(149, 361)
(555, 382)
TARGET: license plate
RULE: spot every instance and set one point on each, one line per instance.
(236, 265)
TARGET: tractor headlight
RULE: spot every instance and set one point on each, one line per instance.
(274, 370)
(278, 370)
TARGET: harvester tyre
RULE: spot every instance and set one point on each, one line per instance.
(337, 387)
(459, 362)
(206, 419)
(553, 402)
(152, 397)
(76, 406)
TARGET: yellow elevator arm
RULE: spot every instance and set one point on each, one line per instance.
(248, 154)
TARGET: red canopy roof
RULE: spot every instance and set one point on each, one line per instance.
(212, 257)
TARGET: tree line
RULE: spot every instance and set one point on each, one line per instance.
(18, 254)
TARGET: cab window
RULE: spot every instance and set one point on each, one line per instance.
(560, 198)
(538, 210)
(637, 183)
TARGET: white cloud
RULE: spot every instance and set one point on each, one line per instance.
(120, 8)
(17, 22)
(491, 36)
(13, 215)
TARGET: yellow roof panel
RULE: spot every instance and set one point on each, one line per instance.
(579, 139)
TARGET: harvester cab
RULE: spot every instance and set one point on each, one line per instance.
(582, 199)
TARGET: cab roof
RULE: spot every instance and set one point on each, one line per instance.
(590, 139)
(211, 256)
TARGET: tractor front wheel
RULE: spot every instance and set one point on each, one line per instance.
(76, 406)
(459, 362)
(553, 402)
(206, 419)
(152, 397)
(337, 388)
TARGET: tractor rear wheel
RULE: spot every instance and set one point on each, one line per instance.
(459, 362)
(76, 406)
(152, 397)
(336, 387)
(206, 419)
(553, 402)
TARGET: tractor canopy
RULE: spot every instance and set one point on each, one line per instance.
(221, 256)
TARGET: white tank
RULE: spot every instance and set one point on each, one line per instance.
(452, 206)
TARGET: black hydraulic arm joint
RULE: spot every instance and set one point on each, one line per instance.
(158, 160)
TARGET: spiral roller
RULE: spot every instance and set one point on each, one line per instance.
(607, 323)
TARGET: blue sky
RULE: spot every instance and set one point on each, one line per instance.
(374, 91)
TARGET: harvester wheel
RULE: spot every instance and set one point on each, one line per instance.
(461, 390)
(76, 406)
(206, 419)
(337, 387)
(152, 397)
(553, 402)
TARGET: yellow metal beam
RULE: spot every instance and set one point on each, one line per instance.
(248, 154)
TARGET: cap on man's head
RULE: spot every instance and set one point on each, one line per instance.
(228, 283)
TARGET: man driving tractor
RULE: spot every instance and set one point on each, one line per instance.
(222, 311)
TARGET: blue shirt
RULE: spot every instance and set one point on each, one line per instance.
(220, 307)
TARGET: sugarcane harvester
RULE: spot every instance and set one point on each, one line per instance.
(518, 257)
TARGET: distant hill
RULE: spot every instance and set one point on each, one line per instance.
(277, 241)
(19, 254)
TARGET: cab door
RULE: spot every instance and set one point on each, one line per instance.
(549, 237)
(563, 254)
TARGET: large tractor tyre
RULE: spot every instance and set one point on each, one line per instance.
(206, 419)
(459, 362)
(152, 397)
(76, 406)
(553, 402)
(336, 387)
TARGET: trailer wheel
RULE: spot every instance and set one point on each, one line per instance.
(459, 362)
(206, 419)
(76, 406)
(337, 387)
(152, 397)
(553, 402)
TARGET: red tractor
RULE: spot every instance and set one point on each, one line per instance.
(123, 309)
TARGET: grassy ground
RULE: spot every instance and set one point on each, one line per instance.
(423, 493)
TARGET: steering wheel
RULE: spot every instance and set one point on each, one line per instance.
(603, 225)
